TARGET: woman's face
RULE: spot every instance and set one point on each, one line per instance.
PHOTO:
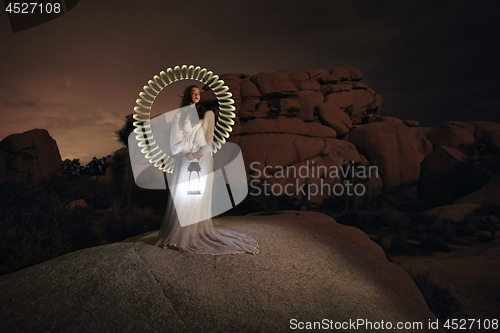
(195, 95)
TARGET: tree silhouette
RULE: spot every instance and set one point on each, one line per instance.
(123, 133)
(120, 168)
(71, 168)
(96, 167)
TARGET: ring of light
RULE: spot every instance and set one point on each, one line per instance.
(143, 132)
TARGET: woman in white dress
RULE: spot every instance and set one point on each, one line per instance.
(191, 140)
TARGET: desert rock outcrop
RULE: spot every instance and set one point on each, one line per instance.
(455, 134)
(295, 118)
(28, 157)
(133, 286)
(397, 150)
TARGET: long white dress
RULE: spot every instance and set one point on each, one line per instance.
(201, 237)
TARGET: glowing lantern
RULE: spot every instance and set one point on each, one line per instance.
(194, 167)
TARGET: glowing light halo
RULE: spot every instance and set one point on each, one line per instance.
(144, 134)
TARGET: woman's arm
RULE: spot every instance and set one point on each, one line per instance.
(208, 127)
(205, 135)
(176, 136)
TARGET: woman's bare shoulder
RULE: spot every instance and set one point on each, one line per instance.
(209, 114)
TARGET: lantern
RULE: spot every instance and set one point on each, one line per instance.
(194, 167)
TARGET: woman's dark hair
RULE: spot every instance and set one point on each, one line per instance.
(186, 100)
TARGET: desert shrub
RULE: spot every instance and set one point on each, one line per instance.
(120, 228)
(384, 218)
(358, 218)
(434, 233)
(439, 299)
(434, 243)
(420, 219)
(391, 218)
(443, 228)
(384, 240)
(154, 199)
(489, 223)
(488, 218)
(119, 169)
(495, 211)
(96, 194)
(14, 198)
(34, 228)
(394, 228)
(393, 243)
(482, 218)
(468, 226)
(80, 227)
(399, 242)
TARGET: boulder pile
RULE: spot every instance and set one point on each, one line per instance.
(317, 119)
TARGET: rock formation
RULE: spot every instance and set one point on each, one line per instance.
(448, 174)
(397, 149)
(133, 286)
(455, 134)
(294, 118)
(331, 118)
(28, 157)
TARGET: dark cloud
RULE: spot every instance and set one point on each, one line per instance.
(19, 104)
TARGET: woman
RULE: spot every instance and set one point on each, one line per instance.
(191, 140)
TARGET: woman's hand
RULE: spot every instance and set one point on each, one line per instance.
(191, 156)
(198, 155)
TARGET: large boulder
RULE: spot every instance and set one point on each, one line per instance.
(386, 119)
(397, 150)
(273, 84)
(454, 134)
(29, 157)
(481, 126)
(308, 100)
(440, 176)
(334, 117)
(335, 271)
(248, 89)
(297, 76)
(447, 174)
(411, 123)
(423, 130)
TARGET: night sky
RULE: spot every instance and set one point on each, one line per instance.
(80, 74)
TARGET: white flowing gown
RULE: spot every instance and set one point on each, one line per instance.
(201, 237)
